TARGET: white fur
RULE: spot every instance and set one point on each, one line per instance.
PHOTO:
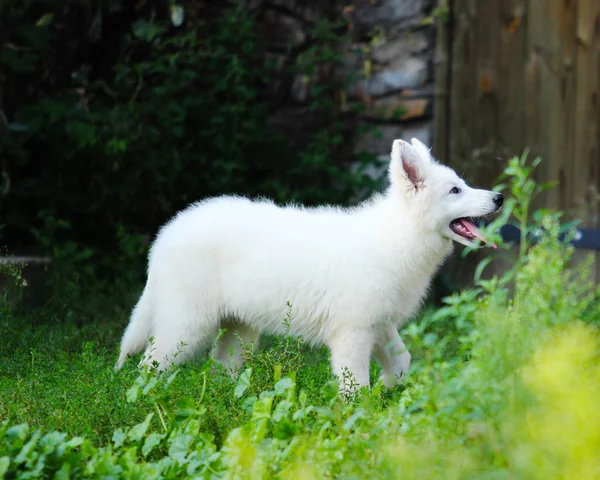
(352, 276)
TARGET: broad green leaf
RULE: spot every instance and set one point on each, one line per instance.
(51, 441)
(171, 378)
(4, 465)
(150, 385)
(262, 408)
(281, 410)
(151, 441)
(28, 453)
(133, 394)
(137, 432)
(330, 390)
(243, 383)
(17, 435)
(64, 473)
(348, 424)
(283, 386)
(119, 437)
(249, 402)
(180, 446)
(74, 442)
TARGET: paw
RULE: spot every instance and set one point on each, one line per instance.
(391, 380)
(398, 374)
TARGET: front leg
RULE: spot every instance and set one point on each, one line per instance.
(351, 354)
(391, 353)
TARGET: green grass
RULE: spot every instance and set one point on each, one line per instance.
(60, 376)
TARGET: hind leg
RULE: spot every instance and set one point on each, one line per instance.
(391, 353)
(179, 330)
(168, 349)
(231, 346)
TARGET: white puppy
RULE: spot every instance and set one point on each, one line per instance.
(352, 275)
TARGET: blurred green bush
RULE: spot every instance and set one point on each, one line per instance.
(114, 116)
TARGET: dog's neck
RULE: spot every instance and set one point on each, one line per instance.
(392, 219)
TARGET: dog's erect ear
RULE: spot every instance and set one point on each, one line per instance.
(421, 149)
(407, 163)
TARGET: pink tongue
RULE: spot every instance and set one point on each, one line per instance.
(473, 230)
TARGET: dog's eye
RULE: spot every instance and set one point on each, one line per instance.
(455, 190)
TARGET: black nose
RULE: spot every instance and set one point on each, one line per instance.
(499, 200)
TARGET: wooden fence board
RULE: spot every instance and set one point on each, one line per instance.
(526, 74)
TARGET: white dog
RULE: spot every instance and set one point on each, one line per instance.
(352, 276)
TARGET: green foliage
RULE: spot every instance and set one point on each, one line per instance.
(184, 119)
(102, 149)
(505, 383)
(12, 284)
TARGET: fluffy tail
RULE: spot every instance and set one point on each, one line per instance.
(137, 332)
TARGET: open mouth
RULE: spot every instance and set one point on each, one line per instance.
(465, 228)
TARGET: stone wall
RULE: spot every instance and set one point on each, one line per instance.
(391, 48)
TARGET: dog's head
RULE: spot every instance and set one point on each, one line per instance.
(442, 201)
